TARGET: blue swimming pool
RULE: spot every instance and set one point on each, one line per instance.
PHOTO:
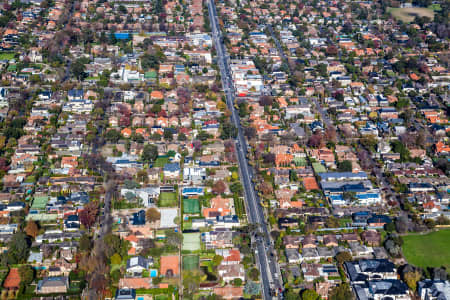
(122, 35)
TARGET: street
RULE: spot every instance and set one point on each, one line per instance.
(270, 277)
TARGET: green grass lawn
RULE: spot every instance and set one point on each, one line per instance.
(430, 250)
(167, 199)
(435, 7)
(161, 161)
(6, 55)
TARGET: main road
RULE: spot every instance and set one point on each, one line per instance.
(268, 265)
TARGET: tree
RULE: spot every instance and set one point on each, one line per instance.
(47, 250)
(116, 259)
(401, 224)
(250, 132)
(332, 222)
(265, 100)
(182, 137)
(342, 257)
(18, 248)
(291, 295)
(85, 242)
(219, 187)
(217, 260)
(392, 248)
(369, 141)
(345, 166)
(315, 141)
(26, 273)
(173, 238)
(153, 215)
(78, 69)
(236, 188)
(253, 274)
(341, 292)
(439, 273)
(411, 279)
(228, 131)
(266, 188)
(149, 153)
(113, 136)
(32, 229)
(309, 295)
(268, 158)
(237, 282)
(168, 135)
(330, 134)
(88, 215)
(389, 227)
(149, 61)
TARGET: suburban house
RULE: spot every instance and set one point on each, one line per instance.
(136, 265)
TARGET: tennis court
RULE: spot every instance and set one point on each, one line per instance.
(167, 199)
(39, 202)
(191, 206)
(190, 262)
(191, 241)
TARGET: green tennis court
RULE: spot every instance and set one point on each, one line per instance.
(190, 262)
(39, 202)
(191, 206)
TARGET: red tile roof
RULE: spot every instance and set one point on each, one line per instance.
(169, 263)
(12, 281)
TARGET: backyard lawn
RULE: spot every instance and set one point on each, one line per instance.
(167, 199)
(161, 161)
(7, 55)
(429, 250)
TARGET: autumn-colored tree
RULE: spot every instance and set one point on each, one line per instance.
(99, 283)
(266, 188)
(32, 229)
(411, 279)
(343, 256)
(330, 134)
(89, 214)
(219, 187)
(315, 141)
(116, 259)
(4, 164)
(152, 215)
